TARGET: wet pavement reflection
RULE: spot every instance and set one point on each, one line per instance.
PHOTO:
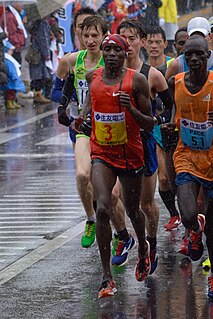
(37, 187)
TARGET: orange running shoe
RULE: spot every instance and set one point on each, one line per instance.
(195, 246)
(173, 223)
(107, 289)
(143, 266)
(184, 246)
(210, 287)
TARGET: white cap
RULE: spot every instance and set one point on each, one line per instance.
(199, 24)
(211, 21)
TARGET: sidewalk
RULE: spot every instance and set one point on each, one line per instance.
(204, 12)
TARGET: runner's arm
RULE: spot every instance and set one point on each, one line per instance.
(142, 113)
(172, 69)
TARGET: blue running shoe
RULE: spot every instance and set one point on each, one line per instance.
(195, 246)
(210, 288)
(121, 256)
(153, 260)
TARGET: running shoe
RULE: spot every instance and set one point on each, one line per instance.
(206, 264)
(195, 246)
(143, 266)
(153, 260)
(88, 238)
(184, 246)
(115, 241)
(121, 256)
(173, 223)
(107, 289)
(210, 287)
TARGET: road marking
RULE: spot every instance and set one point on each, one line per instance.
(68, 212)
(6, 137)
(29, 121)
(61, 139)
(37, 155)
(40, 196)
(28, 260)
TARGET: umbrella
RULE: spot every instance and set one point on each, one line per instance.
(43, 8)
(7, 2)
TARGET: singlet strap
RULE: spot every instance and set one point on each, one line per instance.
(145, 70)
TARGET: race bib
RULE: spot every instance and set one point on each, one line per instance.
(82, 92)
(110, 128)
(196, 135)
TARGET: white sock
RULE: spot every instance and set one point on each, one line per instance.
(91, 218)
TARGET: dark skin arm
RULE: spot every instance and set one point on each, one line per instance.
(142, 113)
(169, 127)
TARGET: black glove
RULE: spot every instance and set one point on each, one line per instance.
(62, 116)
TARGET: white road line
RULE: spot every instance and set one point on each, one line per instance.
(7, 254)
(52, 205)
(11, 248)
(37, 155)
(16, 242)
(41, 208)
(78, 212)
(40, 196)
(24, 222)
(28, 260)
(35, 218)
(21, 237)
(29, 121)
(41, 200)
(30, 226)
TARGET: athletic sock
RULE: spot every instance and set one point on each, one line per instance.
(152, 242)
(91, 219)
(123, 234)
(168, 199)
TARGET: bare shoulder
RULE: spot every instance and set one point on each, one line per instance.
(66, 63)
(172, 69)
(140, 83)
(89, 76)
(156, 80)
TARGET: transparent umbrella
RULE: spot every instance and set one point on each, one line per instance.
(43, 8)
(5, 3)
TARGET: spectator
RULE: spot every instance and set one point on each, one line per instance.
(14, 83)
(116, 12)
(40, 73)
(15, 28)
(168, 21)
(3, 71)
(151, 13)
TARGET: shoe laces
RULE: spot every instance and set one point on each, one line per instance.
(89, 230)
(210, 283)
(143, 264)
(120, 247)
(195, 240)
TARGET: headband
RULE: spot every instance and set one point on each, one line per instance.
(116, 39)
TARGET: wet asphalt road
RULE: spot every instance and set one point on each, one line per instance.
(44, 271)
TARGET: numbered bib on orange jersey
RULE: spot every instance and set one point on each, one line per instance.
(196, 135)
(110, 128)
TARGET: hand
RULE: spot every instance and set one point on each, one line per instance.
(168, 128)
(77, 123)
(124, 100)
(62, 116)
(161, 22)
(210, 117)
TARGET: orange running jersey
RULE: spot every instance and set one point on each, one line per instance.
(115, 134)
(194, 152)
